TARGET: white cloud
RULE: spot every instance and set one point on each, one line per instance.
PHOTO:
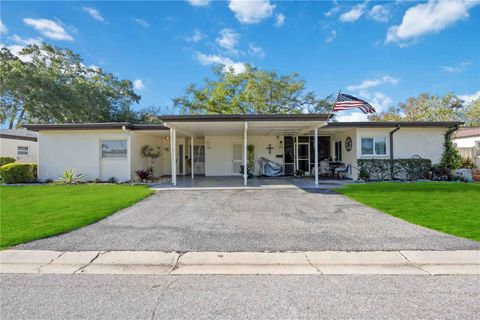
(228, 40)
(470, 97)
(142, 22)
(253, 11)
(334, 10)
(138, 84)
(279, 20)
(256, 51)
(456, 68)
(354, 116)
(196, 37)
(49, 29)
(430, 17)
(199, 3)
(206, 59)
(94, 13)
(331, 36)
(25, 42)
(353, 14)
(371, 83)
(3, 28)
(379, 13)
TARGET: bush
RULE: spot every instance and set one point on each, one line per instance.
(112, 180)
(144, 175)
(34, 170)
(467, 163)
(6, 160)
(70, 177)
(386, 169)
(16, 173)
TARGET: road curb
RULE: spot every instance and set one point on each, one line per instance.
(458, 262)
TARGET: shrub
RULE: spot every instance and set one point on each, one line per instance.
(144, 175)
(6, 160)
(385, 169)
(16, 173)
(71, 177)
(112, 180)
(441, 173)
(34, 170)
(467, 163)
(451, 157)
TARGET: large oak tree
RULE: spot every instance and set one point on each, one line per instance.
(252, 91)
(46, 84)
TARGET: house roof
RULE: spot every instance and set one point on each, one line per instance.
(95, 126)
(18, 134)
(468, 132)
(245, 117)
(260, 118)
(392, 124)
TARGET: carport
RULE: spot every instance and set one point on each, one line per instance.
(247, 126)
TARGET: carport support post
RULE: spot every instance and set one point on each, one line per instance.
(245, 170)
(191, 156)
(173, 154)
(316, 156)
(295, 162)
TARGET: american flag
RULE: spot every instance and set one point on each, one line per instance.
(348, 102)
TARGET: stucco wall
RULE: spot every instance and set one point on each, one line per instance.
(8, 148)
(219, 152)
(348, 157)
(140, 139)
(79, 150)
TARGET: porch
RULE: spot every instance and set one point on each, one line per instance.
(236, 182)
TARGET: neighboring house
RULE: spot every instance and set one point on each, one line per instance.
(467, 141)
(19, 144)
(218, 144)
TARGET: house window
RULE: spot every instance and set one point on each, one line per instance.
(338, 151)
(477, 147)
(374, 146)
(114, 148)
(23, 151)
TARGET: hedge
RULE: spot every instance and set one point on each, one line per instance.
(6, 160)
(386, 169)
(17, 173)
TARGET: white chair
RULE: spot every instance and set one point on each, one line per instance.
(324, 168)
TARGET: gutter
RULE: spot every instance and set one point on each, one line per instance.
(452, 129)
(391, 150)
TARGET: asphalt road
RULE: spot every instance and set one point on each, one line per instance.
(251, 220)
(116, 297)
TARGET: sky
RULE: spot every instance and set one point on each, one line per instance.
(381, 51)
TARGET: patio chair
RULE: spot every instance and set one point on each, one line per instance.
(324, 168)
(342, 171)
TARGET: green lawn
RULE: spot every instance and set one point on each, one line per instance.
(33, 212)
(452, 208)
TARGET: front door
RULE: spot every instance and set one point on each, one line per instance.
(304, 157)
(237, 158)
(180, 160)
(199, 159)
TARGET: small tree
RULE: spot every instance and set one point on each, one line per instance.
(251, 159)
(149, 153)
(451, 159)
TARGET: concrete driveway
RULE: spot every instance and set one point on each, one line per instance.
(251, 220)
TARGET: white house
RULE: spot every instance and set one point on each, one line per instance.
(467, 141)
(19, 144)
(216, 145)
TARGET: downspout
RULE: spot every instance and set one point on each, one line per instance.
(129, 151)
(391, 150)
(452, 130)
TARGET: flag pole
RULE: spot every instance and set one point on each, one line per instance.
(331, 110)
